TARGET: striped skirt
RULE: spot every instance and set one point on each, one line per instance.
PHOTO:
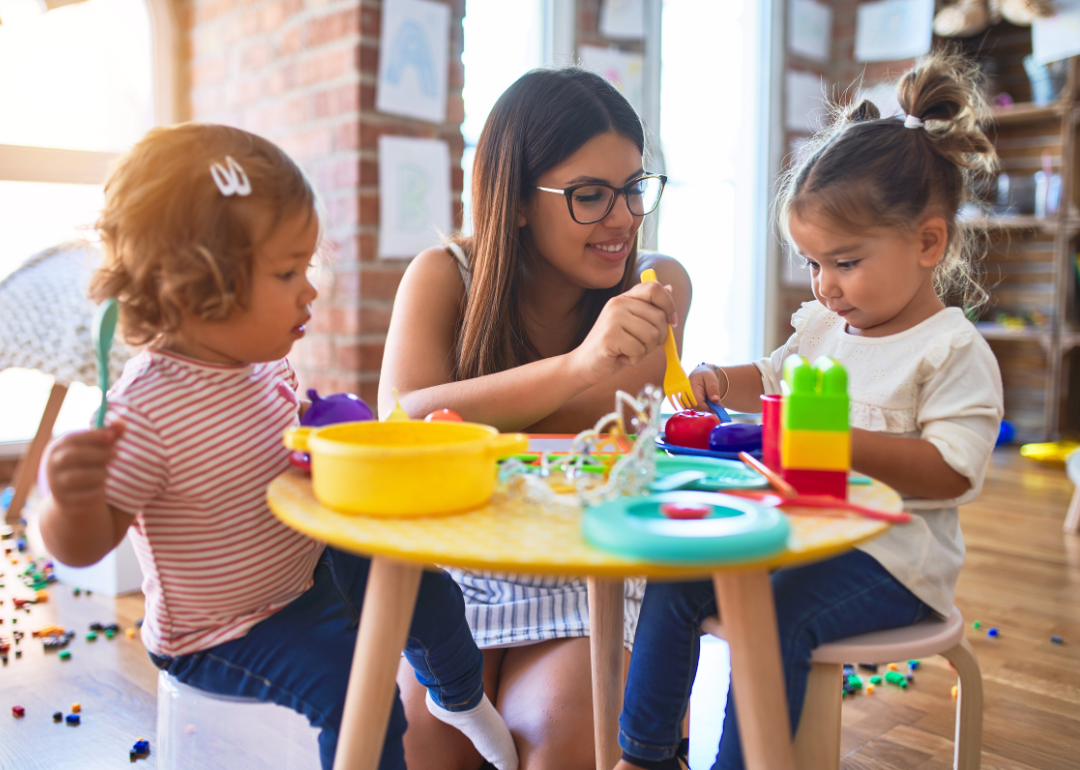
(505, 610)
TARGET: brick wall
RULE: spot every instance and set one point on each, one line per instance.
(303, 74)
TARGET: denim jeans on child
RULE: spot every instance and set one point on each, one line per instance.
(848, 595)
(300, 656)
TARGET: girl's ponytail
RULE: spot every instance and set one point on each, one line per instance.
(865, 171)
(944, 93)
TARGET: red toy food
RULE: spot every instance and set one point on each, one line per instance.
(677, 511)
(690, 429)
(444, 414)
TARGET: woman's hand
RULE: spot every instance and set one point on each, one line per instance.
(630, 327)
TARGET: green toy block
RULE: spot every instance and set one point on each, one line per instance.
(817, 396)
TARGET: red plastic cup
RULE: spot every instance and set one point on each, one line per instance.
(770, 433)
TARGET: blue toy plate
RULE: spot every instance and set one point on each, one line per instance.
(735, 530)
(674, 449)
(722, 474)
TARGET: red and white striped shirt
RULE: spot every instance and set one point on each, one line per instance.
(203, 441)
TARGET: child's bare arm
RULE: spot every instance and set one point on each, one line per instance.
(79, 527)
(912, 466)
(743, 394)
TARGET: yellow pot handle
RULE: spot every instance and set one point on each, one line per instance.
(506, 444)
(296, 439)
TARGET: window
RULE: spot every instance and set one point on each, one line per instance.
(503, 41)
(83, 82)
(713, 217)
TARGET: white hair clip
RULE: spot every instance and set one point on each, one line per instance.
(910, 121)
(230, 178)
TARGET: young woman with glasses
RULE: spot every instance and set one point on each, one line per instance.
(532, 324)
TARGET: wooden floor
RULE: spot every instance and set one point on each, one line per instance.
(1022, 576)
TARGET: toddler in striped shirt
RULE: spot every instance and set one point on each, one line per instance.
(208, 234)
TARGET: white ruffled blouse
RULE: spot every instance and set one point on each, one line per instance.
(938, 381)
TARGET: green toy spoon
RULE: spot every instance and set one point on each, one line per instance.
(102, 330)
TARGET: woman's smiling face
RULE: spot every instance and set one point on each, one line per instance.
(590, 256)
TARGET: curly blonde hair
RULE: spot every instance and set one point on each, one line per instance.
(173, 242)
(867, 171)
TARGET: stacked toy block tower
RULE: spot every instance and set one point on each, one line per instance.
(815, 442)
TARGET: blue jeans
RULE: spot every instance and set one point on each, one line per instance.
(300, 656)
(816, 604)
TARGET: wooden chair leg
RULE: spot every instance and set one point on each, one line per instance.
(1072, 519)
(817, 741)
(27, 470)
(967, 753)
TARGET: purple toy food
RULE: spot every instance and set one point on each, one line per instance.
(735, 437)
(335, 408)
(339, 407)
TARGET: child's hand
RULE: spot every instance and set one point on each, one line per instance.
(630, 327)
(76, 467)
(705, 383)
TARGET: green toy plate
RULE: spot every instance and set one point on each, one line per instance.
(722, 474)
(734, 530)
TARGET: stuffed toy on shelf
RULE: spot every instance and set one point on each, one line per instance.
(965, 18)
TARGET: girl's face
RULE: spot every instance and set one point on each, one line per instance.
(590, 256)
(278, 307)
(879, 281)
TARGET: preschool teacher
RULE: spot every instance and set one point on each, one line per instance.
(532, 324)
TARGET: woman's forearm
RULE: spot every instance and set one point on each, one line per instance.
(510, 400)
(912, 466)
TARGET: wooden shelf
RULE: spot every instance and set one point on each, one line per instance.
(1026, 112)
(992, 331)
(1011, 223)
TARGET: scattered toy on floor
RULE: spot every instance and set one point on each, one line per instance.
(955, 690)
(892, 667)
(18, 712)
(141, 750)
(130, 633)
(976, 625)
(895, 677)
(65, 654)
(1057, 640)
(73, 719)
(870, 688)
(76, 708)
(58, 716)
(992, 633)
(912, 665)
(868, 666)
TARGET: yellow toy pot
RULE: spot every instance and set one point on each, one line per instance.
(404, 468)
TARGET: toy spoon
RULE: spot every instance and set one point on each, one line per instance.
(102, 330)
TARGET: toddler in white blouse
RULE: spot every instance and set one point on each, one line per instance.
(872, 210)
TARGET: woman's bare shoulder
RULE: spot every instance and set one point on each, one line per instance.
(668, 269)
(434, 275)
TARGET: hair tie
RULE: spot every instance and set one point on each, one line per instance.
(230, 178)
(910, 121)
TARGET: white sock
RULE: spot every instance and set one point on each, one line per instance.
(484, 726)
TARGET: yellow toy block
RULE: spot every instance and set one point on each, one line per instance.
(821, 450)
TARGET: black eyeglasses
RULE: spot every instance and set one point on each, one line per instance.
(591, 202)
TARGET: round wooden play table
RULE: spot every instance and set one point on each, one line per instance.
(508, 536)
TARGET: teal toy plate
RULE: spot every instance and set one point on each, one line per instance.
(734, 530)
(722, 474)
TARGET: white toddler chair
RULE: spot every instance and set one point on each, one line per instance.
(817, 741)
(196, 729)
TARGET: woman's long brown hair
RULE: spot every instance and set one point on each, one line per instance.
(541, 120)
